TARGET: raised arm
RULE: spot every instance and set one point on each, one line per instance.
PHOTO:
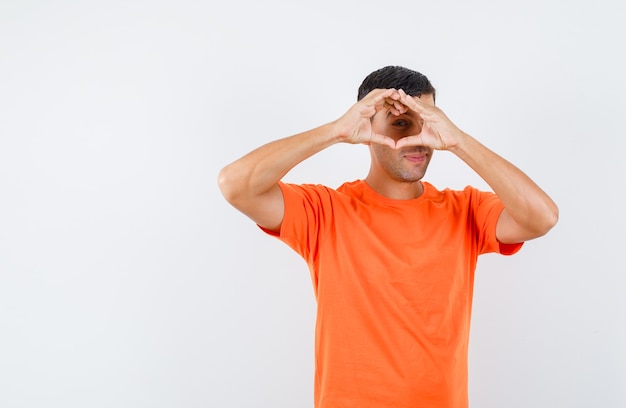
(528, 211)
(250, 183)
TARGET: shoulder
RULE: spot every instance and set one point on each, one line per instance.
(306, 189)
(469, 196)
(346, 189)
(450, 192)
(312, 193)
(432, 192)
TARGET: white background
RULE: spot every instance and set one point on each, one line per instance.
(127, 281)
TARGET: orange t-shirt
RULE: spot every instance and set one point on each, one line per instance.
(393, 281)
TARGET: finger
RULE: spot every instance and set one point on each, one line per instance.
(394, 111)
(379, 97)
(383, 140)
(413, 103)
(391, 100)
(379, 101)
(378, 94)
(415, 140)
(367, 111)
(395, 107)
(395, 96)
(398, 112)
(401, 107)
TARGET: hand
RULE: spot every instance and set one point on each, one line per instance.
(438, 132)
(355, 125)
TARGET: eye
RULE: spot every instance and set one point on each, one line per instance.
(400, 123)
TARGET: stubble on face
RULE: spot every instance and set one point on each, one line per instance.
(392, 169)
(407, 165)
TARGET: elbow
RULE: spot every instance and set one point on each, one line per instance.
(555, 216)
(533, 224)
(548, 220)
(540, 222)
(226, 183)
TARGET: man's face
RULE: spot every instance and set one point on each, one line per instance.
(409, 163)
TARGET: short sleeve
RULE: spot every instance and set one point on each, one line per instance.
(308, 210)
(487, 208)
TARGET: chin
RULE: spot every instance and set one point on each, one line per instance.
(405, 178)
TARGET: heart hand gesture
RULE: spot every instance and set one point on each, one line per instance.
(438, 132)
(355, 125)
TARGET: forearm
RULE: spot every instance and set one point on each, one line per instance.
(258, 171)
(529, 206)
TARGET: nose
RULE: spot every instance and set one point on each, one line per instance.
(419, 149)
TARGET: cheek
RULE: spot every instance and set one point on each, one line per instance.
(383, 153)
(414, 129)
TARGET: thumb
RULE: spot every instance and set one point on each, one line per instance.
(383, 140)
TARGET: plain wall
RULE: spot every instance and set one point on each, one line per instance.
(126, 280)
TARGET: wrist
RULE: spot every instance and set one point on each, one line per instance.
(325, 135)
(336, 132)
(463, 140)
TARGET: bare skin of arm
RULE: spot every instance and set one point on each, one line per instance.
(528, 211)
(250, 183)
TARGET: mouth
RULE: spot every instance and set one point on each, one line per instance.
(416, 157)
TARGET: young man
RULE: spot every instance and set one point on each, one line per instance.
(392, 258)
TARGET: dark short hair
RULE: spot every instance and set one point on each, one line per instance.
(397, 77)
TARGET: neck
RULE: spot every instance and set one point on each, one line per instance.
(394, 189)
